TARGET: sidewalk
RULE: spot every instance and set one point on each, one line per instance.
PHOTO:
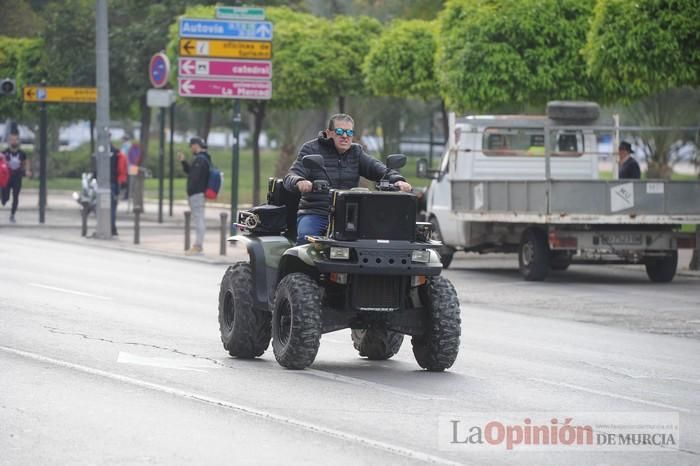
(63, 223)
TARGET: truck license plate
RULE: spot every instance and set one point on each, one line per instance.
(622, 238)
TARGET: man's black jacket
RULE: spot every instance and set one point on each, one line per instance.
(344, 171)
(630, 170)
(197, 173)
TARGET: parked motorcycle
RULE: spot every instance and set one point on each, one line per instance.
(87, 198)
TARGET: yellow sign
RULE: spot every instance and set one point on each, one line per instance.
(86, 95)
(226, 49)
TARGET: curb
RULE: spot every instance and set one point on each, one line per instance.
(118, 246)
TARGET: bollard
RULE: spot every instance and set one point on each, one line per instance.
(137, 226)
(188, 215)
(224, 230)
(84, 215)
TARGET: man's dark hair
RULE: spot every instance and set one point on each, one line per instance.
(340, 117)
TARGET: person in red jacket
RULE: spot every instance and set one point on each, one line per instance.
(16, 161)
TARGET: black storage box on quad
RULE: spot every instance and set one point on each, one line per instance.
(265, 219)
(374, 215)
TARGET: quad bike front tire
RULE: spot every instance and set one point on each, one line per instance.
(376, 344)
(296, 321)
(245, 330)
(437, 349)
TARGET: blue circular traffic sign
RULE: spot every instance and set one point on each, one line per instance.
(159, 69)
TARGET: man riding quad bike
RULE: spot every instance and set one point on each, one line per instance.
(375, 271)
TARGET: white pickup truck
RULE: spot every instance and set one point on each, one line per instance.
(530, 184)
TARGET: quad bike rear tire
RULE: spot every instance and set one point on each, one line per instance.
(245, 330)
(296, 321)
(437, 349)
(376, 344)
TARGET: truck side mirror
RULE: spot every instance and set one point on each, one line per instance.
(395, 161)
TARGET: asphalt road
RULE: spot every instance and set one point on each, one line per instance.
(113, 357)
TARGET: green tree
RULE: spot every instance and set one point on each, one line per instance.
(640, 47)
(18, 19)
(505, 54)
(347, 43)
(644, 51)
(20, 59)
(401, 64)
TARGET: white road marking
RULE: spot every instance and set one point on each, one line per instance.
(63, 290)
(611, 395)
(192, 364)
(370, 384)
(250, 411)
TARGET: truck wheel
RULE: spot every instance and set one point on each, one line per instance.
(446, 252)
(663, 270)
(296, 321)
(245, 330)
(533, 255)
(560, 261)
(376, 344)
(436, 350)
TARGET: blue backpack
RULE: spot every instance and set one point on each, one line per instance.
(215, 182)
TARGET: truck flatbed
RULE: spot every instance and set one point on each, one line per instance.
(628, 202)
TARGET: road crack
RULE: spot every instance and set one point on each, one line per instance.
(135, 343)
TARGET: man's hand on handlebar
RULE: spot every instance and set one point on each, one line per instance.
(403, 186)
(304, 186)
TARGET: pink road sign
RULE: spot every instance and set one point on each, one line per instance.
(220, 68)
(256, 90)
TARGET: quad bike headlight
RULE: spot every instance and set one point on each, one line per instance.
(340, 253)
(420, 255)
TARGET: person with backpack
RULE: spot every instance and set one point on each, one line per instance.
(16, 161)
(197, 183)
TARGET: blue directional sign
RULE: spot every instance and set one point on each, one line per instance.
(218, 29)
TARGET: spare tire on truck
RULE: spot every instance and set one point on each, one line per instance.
(573, 111)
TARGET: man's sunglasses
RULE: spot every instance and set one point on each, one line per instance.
(348, 132)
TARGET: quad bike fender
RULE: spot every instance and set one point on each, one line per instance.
(265, 253)
(299, 259)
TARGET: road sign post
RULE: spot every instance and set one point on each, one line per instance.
(43, 160)
(234, 163)
(161, 164)
(171, 167)
(222, 29)
(225, 49)
(159, 70)
(43, 94)
(240, 12)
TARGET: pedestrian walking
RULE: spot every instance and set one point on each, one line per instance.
(197, 180)
(16, 160)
